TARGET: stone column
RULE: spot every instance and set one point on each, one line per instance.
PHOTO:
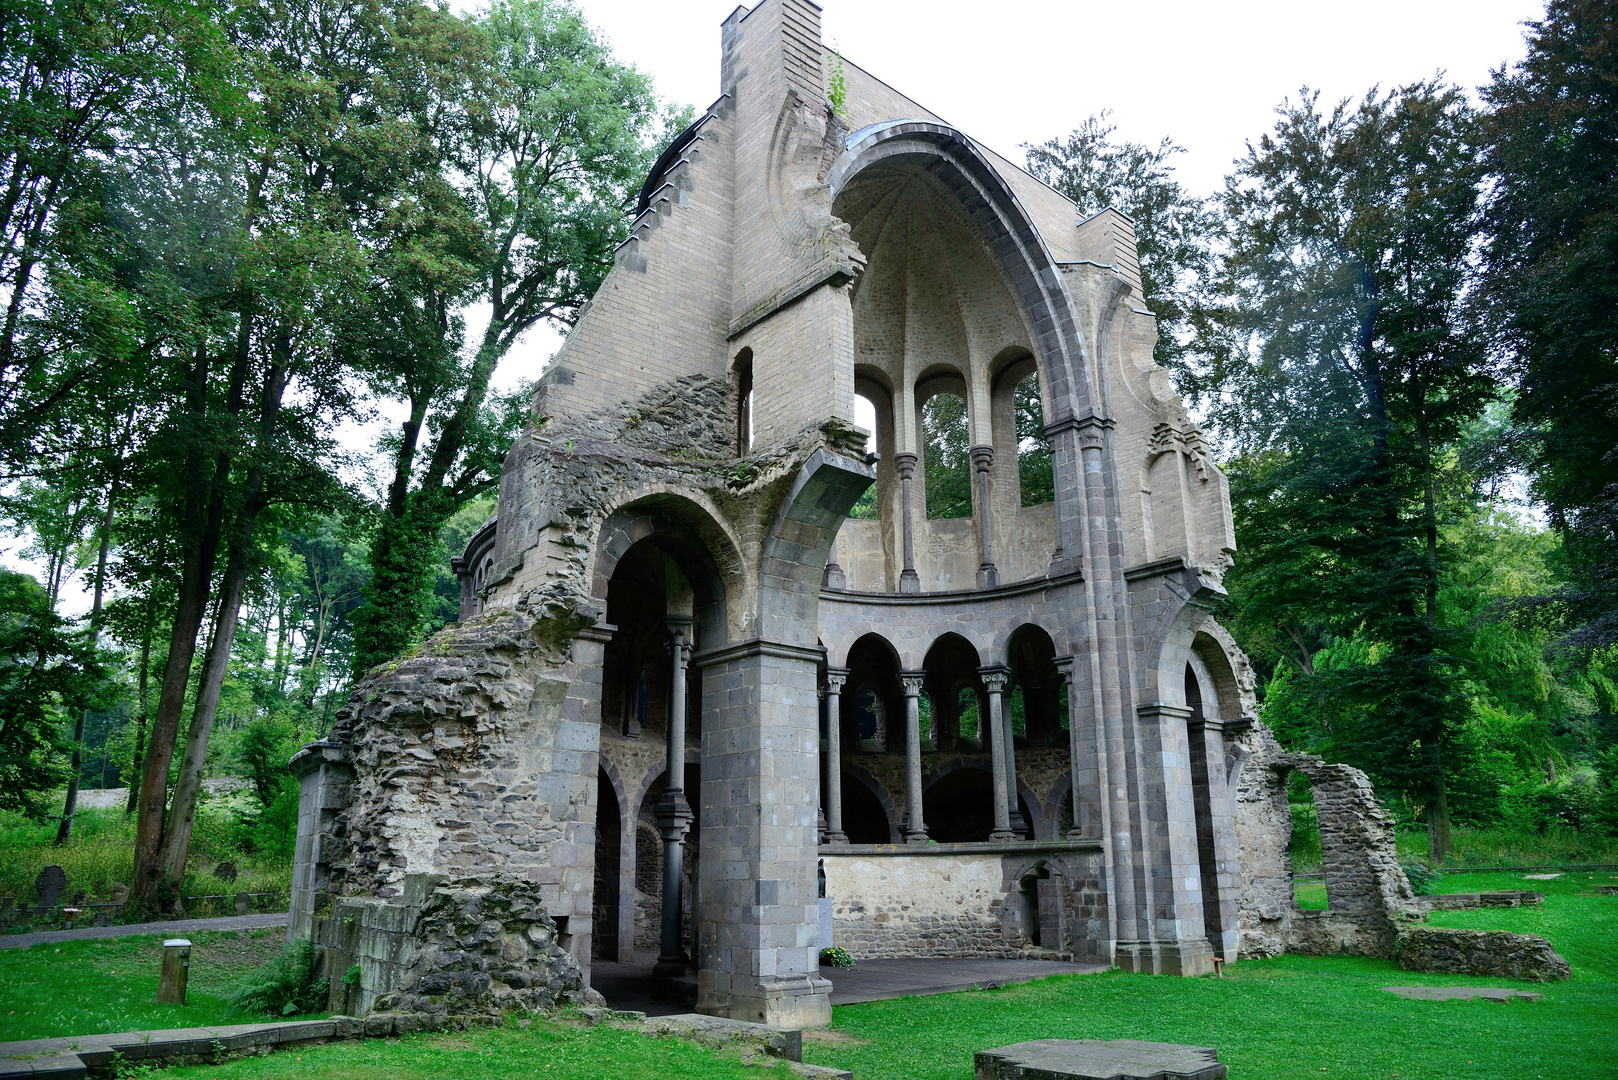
(1013, 811)
(909, 580)
(982, 459)
(833, 802)
(673, 812)
(916, 831)
(994, 679)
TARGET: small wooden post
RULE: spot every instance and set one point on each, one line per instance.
(1219, 966)
(176, 970)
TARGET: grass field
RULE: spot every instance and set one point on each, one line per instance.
(1290, 1017)
(108, 986)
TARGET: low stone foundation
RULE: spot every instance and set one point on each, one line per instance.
(1466, 901)
(968, 900)
(1481, 952)
(447, 951)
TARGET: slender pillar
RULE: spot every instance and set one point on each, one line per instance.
(982, 458)
(909, 580)
(835, 678)
(916, 830)
(1013, 810)
(673, 812)
(994, 679)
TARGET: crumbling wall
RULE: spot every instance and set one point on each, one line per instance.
(1265, 906)
(449, 952)
(1368, 895)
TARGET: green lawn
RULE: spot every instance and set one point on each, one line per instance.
(1290, 1017)
(108, 986)
(1270, 1019)
(544, 1049)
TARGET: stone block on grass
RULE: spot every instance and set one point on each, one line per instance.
(1481, 952)
(1095, 1059)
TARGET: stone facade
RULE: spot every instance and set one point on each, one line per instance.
(1039, 692)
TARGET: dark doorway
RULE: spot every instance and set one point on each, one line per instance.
(608, 872)
(1202, 806)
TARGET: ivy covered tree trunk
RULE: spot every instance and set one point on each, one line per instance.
(405, 555)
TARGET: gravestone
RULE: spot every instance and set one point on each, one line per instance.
(5, 911)
(120, 893)
(243, 902)
(49, 885)
(225, 871)
(1093, 1059)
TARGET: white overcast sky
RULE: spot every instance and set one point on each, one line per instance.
(1207, 75)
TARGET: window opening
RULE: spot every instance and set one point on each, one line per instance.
(1063, 707)
(1035, 476)
(1019, 713)
(873, 721)
(948, 461)
(865, 507)
(744, 403)
(966, 703)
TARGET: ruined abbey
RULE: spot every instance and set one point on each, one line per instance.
(694, 706)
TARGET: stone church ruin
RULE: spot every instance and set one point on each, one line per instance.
(693, 705)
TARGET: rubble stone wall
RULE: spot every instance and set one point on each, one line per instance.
(1481, 952)
(449, 951)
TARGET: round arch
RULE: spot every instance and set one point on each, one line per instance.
(1026, 260)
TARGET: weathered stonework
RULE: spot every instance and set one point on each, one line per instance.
(449, 952)
(1481, 952)
(682, 675)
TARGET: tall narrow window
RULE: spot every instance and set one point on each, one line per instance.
(1034, 473)
(948, 463)
(744, 402)
(865, 506)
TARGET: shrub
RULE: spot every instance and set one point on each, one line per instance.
(836, 957)
(1424, 876)
(285, 986)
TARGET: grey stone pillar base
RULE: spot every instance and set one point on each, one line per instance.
(781, 1001)
(988, 576)
(1166, 957)
(909, 582)
(834, 838)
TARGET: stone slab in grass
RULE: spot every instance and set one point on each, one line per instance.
(1094, 1059)
(1462, 993)
(720, 1031)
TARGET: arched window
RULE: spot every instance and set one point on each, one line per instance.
(1034, 473)
(865, 416)
(1019, 712)
(948, 463)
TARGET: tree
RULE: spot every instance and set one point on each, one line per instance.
(46, 669)
(1172, 226)
(1343, 362)
(549, 149)
(1551, 288)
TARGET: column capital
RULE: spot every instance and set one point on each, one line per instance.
(982, 456)
(995, 677)
(905, 461)
(1064, 668)
(913, 682)
(836, 679)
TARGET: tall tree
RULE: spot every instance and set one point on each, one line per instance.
(1172, 226)
(548, 152)
(1344, 364)
(1551, 146)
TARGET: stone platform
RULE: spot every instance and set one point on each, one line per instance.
(629, 985)
(1093, 1059)
(1462, 993)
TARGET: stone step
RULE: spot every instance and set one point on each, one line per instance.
(1093, 1059)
